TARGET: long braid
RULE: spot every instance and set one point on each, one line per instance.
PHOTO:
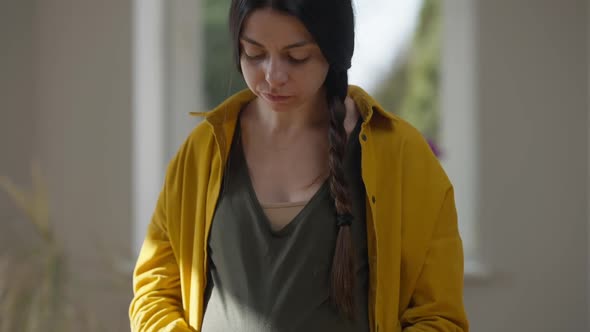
(343, 269)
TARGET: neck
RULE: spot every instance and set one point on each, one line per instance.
(310, 116)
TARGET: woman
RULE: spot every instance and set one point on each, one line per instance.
(300, 204)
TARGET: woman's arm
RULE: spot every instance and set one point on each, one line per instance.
(437, 300)
(157, 301)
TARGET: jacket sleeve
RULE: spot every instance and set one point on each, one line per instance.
(157, 301)
(437, 300)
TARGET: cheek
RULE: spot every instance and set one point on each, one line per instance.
(323, 73)
(252, 74)
(313, 78)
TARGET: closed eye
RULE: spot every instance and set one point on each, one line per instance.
(259, 56)
(297, 61)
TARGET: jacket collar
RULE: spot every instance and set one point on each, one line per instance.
(223, 118)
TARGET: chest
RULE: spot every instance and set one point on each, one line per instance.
(290, 173)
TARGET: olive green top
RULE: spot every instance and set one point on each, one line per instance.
(265, 280)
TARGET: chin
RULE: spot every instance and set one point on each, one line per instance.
(280, 108)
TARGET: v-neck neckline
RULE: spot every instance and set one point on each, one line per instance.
(253, 197)
(292, 224)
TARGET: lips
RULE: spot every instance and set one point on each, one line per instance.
(275, 98)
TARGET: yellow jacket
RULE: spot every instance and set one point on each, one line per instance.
(415, 252)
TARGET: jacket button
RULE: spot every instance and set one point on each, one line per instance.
(364, 137)
(373, 199)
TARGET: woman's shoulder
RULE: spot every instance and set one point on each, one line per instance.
(191, 153)
(380, 118)
(219, 119)
(399, 145)
(212, 134)
(391, 130)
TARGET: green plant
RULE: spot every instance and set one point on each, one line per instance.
(412, 89)
(32, 281)
(37, 285)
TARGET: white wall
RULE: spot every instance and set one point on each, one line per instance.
(83, 112)
(17, 93)
(184, 72)
(65, 98)
(532, 102)
(459, 139)
(167, 86)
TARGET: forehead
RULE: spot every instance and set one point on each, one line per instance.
(268, 26)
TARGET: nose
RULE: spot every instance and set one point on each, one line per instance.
(276, 74)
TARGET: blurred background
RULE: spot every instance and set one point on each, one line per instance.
(94, 101)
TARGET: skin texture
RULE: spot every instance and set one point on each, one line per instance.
(284, 130)
(279, 57)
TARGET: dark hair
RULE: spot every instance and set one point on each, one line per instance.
(331, 23)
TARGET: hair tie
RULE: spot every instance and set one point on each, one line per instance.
(344, 220)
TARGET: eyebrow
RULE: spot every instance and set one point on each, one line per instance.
(295, 45)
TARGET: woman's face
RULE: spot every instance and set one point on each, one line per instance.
(280, 61)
